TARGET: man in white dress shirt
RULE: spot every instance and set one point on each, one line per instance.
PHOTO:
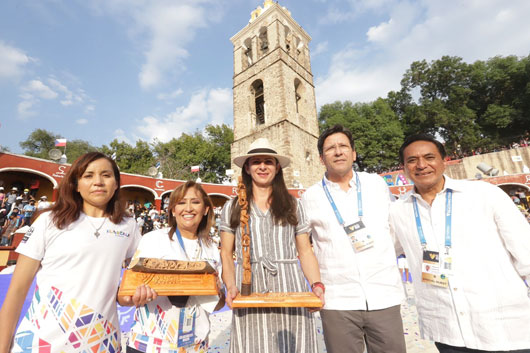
(348, 214)
(468, 249)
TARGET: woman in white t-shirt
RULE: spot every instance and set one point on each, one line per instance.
(177, 323)
(75, 250)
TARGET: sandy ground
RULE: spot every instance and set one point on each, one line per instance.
(220, 333)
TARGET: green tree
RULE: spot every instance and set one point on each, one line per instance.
(483, 104)
(76, 148)
(209, 149)
(375, 127)
(39, 143)
(442, 109)
(501, 97)
(131, 159)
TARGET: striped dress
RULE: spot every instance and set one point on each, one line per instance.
(275, 268)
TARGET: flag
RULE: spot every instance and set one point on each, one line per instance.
(60, 143)
(113, 156)
(157, 165)
(195, 168)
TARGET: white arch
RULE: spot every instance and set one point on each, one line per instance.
(33, 171)
(219, 194)
(516, 184)
(142, 187)
(166, 192)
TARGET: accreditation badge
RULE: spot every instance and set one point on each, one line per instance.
(431, 269)
(446, 264)
(186, 333)
(359, 237)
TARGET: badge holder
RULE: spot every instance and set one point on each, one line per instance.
(359, 238)
(432, 269)
(247, 299)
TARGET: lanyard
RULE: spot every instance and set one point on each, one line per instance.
(448, 216)
(181, 242)
(359, 200)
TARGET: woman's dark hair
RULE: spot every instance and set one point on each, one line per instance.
(420, 137)
(206, 221)
(283, 205)
(333, 130)
(69, 202)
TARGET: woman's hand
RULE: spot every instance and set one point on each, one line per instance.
(143, 295)
(231, 293)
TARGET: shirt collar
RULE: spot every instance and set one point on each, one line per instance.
(450, 183)
(333, 185)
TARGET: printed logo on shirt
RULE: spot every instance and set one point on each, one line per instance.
(28, 234)
(118, 233)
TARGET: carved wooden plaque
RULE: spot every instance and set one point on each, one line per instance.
(170, 283)
(277, 300)
(153, 265)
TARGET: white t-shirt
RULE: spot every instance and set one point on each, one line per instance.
(43, 204)
(157, 323)
(74, 305)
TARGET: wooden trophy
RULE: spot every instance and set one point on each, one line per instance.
(170, 277)
(246, 299)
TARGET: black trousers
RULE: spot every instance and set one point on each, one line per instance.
(444, 348)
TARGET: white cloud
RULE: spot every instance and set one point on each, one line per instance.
(30, 96)
(120, 135)
(12, 61)
(24, 108)
(41, 90)
(82, 121)
(35, 90)
(169, 96)
(164, 29)
(205, 107)
(473, 30)
(335, 16)
(69, 97)
(321, 47)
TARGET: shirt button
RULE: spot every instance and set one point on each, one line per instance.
(461, 313)
(455, 289)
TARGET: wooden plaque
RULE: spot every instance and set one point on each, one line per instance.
(277, 300)
(153, 265)
(170, 284)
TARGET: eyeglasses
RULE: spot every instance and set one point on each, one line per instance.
(344, 148)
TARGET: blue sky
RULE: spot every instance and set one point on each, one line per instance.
(143, 69)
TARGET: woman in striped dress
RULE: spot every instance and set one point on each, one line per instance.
(278, 232)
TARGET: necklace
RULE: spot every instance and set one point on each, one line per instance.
(96, 233)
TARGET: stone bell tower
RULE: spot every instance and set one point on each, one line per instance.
(274, 96)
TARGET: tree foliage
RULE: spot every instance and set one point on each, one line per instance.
(484, 104)
(131, 159)
(210, 149)
(376, 130)
(40, 142)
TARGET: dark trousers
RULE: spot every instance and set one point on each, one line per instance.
(132, 350)
(346, 331)
(445, 348)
